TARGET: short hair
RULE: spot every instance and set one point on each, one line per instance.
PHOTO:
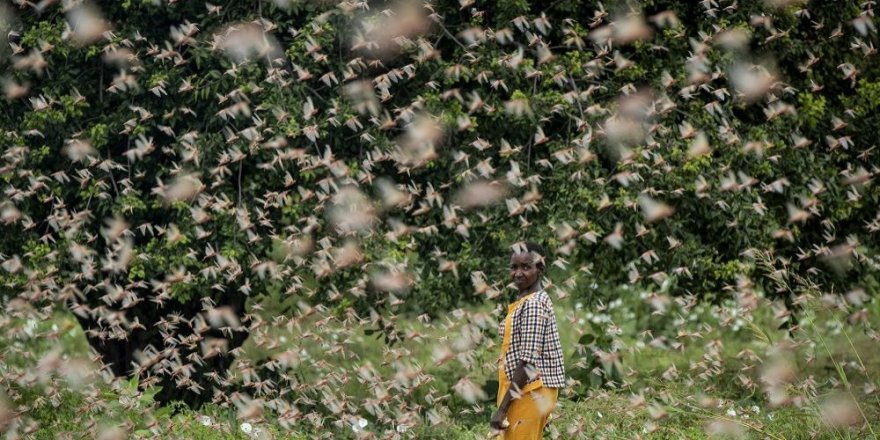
(530, 246)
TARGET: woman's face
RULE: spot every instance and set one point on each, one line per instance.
(524, 270)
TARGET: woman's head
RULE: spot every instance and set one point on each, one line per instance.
(526, 264)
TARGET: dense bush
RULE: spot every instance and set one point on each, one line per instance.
(163, 162)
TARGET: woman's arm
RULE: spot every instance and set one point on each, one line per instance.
(517, 382)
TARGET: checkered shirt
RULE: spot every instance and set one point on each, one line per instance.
(535, 339)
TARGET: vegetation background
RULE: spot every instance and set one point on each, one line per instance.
(293, 218)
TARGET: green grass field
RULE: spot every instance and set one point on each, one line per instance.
(701, 381)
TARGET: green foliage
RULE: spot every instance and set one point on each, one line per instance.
(812, 109)
(595, 371)
(269, 174)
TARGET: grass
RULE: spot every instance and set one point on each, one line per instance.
(710, 384)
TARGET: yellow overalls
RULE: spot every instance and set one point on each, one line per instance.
(528, 414)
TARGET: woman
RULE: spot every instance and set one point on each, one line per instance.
(531, 370)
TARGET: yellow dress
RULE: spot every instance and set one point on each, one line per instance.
(529, 414)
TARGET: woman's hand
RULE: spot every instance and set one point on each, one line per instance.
(499, 421)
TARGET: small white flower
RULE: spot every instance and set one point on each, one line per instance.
(30, 327)
(731, 412)
(247, 428)
(599, 414)
(359, 425)
(401, 428)
(756, 409)
(205, 420)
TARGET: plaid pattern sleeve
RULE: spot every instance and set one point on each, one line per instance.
(528, 334)
(535, 339)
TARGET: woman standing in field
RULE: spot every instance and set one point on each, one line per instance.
(530, 370)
